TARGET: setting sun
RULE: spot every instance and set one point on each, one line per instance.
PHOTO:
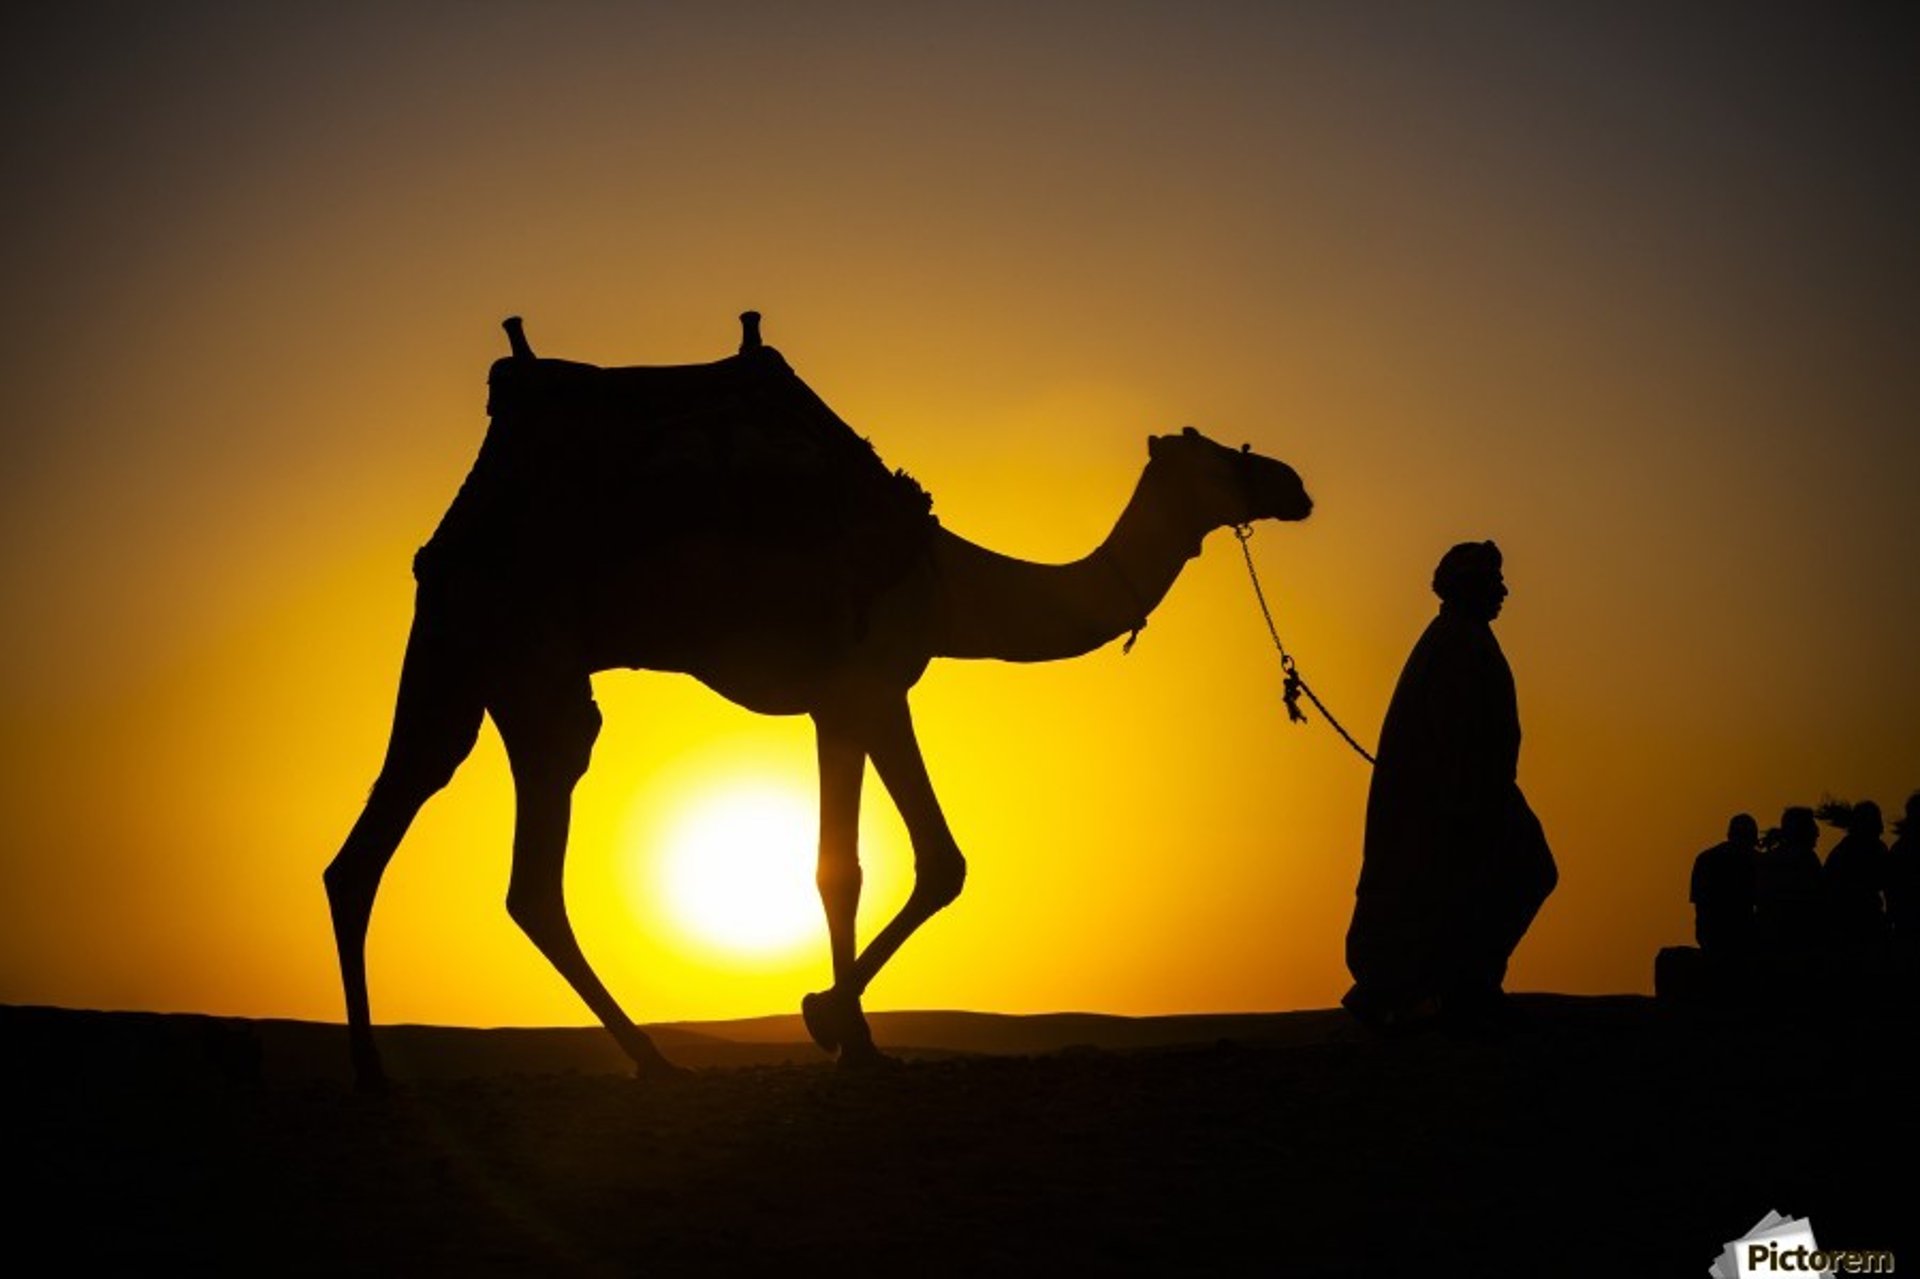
(736, 871)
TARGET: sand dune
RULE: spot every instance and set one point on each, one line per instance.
(289, 1051)
(1614, 1137)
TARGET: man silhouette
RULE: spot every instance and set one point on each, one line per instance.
(1903, 879)
(1455, 864)
(1787, 888)
(1853, 877)
(1722, 890)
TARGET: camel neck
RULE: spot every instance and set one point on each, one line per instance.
(1017, 611)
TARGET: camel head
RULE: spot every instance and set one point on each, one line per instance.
(1220, 486)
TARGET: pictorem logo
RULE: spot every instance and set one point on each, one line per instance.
(1780, 1245)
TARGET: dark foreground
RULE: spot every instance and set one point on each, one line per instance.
(1612, 1137)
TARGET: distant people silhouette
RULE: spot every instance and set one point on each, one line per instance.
(1903, 880)
(1787, 887)
(1854, 876)
(720, 520)
(1722, 891)
(1455, 864)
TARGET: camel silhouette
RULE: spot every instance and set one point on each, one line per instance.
(720, 520)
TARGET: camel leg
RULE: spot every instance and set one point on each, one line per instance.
(833, 1017)
(939, 869)
(549, 737)
(435, 723)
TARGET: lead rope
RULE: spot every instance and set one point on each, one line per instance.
(1296, 684)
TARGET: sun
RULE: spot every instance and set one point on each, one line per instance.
(737, 870)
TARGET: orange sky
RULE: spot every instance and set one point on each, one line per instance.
(1634, 295)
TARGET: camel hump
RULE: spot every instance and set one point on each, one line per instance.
(586, 466)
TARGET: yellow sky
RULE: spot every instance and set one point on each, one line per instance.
(1633, 296)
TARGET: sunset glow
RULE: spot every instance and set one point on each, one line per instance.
(738, 869)
(1627, 292)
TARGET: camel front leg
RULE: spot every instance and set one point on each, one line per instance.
(833, 1017)
(843, 766)
(939, 869)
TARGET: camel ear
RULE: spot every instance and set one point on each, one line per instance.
(1157, 444)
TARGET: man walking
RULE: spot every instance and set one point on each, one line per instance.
(1455, 864)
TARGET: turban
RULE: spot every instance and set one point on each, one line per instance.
(1465, 567)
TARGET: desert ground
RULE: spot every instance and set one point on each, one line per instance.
(1609, 1136)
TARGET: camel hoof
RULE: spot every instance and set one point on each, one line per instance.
(660, 1071)
(649, 1063)
(838, 1026)
(818, 1012)
(369, 1076)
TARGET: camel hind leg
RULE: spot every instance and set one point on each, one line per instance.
(436, 721)
(549, 726)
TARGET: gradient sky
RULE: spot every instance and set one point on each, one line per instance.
(1635, 292)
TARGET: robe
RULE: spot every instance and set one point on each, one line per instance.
(1722, 893)
(1455, 864)
(1903, 886)
(1850, 884)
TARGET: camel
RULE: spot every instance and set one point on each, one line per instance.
(720, 520)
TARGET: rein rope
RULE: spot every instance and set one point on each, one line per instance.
(1296, 683)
